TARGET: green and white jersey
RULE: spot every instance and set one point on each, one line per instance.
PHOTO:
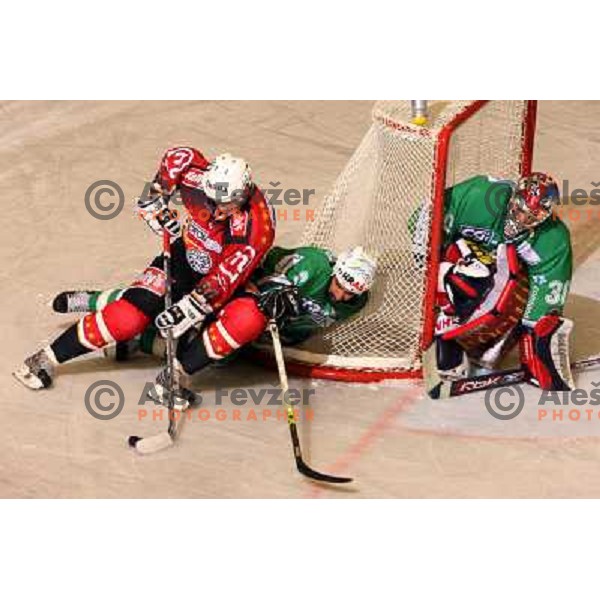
(476, 210)
(310, 270)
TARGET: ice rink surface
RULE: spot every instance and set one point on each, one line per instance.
(391, 438)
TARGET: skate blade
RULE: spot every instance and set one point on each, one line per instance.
(28, 379)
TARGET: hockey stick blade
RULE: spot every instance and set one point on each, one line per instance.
(312, 474)
(152, 444)
(304, 468)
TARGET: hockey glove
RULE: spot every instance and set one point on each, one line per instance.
(154, 209)
(280, 301)
(466, 284)
(189, 312)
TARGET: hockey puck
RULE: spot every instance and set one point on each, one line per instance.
(133, 440)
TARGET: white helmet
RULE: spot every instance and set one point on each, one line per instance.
(227, 180)
(355, 270)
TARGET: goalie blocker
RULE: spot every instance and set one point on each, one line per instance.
(480, 319)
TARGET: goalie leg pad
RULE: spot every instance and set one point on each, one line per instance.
(545, 353)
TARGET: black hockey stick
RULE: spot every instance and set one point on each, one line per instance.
(438, 388)
(300, 464)
(166, 439)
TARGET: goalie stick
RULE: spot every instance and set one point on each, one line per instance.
(166, 439)
(437, 388)
(300, 464)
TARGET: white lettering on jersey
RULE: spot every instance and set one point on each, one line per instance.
(528, 254)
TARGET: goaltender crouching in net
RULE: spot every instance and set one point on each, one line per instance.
(302, 289)
(504, 277)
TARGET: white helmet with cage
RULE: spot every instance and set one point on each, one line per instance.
(355, 270)
(228, 180)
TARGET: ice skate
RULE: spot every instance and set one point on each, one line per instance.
(37, 371)
(72, 301)
(182, 396)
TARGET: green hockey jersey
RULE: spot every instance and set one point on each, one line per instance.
(476, 210)
(310, 270)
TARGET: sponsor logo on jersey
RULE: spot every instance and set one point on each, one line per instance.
(478, 234)
(317, 313)
(199, 260)
(528, 254)
(200, 235)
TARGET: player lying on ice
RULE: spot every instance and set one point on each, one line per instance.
(228, 228)
(303, 289)
(306, 288)
(504, 278)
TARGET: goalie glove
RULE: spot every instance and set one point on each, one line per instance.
(154, 209)
(545, 353)
(280, 301)
(465, 281)
(189, 312)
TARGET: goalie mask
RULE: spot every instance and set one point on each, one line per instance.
(227, 182)
(355, 271)
(531, 204)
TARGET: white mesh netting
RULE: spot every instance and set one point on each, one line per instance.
(373, 203)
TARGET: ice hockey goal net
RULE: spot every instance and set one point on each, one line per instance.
(399, 171)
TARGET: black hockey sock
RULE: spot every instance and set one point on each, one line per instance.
(191, 353)
(67, 345)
